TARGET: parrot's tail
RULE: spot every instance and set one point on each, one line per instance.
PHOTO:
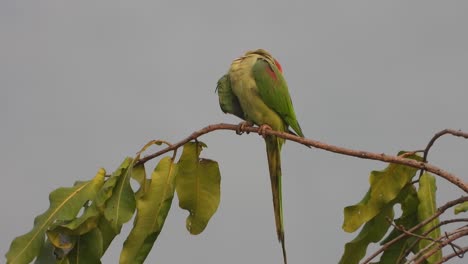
(273, 147)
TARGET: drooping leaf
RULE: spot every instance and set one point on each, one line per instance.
(373, 231)
(409, 218)
(427, 207)
(121, 205)
(384, 187)
(88, 248)
(65, 203)
(152, 209)
(46, 255)
(107, 233)
(198, 186)
(461, 208)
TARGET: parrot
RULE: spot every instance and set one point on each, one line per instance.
(255, 90)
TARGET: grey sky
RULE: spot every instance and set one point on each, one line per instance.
(86, 83)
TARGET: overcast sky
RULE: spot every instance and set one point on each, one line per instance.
(85, 83)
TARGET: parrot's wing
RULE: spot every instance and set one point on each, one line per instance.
(227, 99)
(274, 92)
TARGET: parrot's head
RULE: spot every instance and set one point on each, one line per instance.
(267, 56)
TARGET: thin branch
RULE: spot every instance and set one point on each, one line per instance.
(403, 230)
(320, 145)
(440, 211)
(454, 254)
(440, 245)
(441, 223)
(457, 133)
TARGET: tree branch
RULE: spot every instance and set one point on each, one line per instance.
(320, 145)
(453, 254)
(440, 211)
(457, 133)
(442, 244)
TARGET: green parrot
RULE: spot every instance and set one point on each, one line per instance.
(254, 89)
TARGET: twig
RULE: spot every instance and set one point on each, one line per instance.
(440, 211)
(403, 230)
(441, 223)
(440, 245)
(457, 133)
(454, 254)
(317, 144)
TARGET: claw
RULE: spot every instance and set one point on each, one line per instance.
(262, 130)
(242, 126)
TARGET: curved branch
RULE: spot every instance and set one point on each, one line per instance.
(457, 133)
(317, 144)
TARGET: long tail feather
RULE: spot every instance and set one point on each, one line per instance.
(273, 147)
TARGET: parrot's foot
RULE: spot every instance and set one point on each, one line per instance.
(262, 130)
(242, 126)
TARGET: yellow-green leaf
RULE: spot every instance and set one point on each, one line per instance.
(107, 233)
(373, 231)
(198, 187)
(427, 207)
(384, 188)
(88, 249)
(65, 203)
(152, 209)
(461, 208)
(121, 205)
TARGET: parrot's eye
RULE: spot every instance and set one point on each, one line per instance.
(279, 66)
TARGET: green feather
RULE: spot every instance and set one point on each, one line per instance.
(274, 92)
(227, 100)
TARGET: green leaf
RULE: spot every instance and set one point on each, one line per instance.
(198, 186)
(107, 233)
(46, 255)
(65, 203)
(384, 187)
(427, 207)
(121, 205)
(461, 208)
(152, 209)
(409, 218)
(88, 249)
(373, 231)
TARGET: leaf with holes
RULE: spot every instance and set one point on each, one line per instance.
(373, 231)
(198, 186)
(384, 188)
(65, 203)
(409, 218)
